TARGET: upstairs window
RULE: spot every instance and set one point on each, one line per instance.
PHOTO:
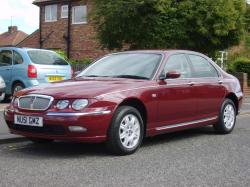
(50, 13)
(64, 11)
(79, 14)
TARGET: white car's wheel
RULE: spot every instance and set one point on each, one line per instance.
(17, 87)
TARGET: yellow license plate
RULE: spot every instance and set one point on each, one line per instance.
(55, 78)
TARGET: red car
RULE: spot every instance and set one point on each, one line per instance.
(124, 97)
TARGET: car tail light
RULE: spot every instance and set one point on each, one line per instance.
(72, 73)
(32, 72)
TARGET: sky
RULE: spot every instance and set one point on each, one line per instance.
(24, 14)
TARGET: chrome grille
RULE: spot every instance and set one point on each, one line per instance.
(35, 102)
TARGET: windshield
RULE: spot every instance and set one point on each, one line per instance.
(126, 65)
(46, 57)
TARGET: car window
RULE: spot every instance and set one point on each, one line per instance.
(46, 57)
(17, 58)
(5, 58)
(179, 64)
(125, 65)
(202, 67)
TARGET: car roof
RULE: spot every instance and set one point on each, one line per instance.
(21, 48)
(163, 51)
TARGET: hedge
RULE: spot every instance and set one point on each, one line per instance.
(241, 64)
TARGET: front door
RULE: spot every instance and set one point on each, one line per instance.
(6, 67)
(176, 96)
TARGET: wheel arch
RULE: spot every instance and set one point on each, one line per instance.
(235, 100)
(14, 83)
(140, 106)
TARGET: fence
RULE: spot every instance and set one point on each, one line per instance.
(78, 67)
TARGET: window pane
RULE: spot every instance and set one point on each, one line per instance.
(80, 14)
(179, 64)
(5, 58)
(64, 11)
(54, 12)
(51, 13)
(134, 64)
(46, 58)
(202, 68)
(18, 59)
(47, 13)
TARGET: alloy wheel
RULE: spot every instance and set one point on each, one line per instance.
(130, 131)
(229, 116)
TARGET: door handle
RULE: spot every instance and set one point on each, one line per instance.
(191, 83)
(220, 82)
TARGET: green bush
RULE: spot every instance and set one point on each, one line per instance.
(241, 64)
(84, 61)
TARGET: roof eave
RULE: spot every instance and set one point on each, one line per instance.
(48, 2)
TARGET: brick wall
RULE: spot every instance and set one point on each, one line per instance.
(83, 36)
(243, 78)
(31, 41)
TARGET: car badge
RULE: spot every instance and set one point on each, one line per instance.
(32, 101)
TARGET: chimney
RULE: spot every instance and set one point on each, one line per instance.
(12, 29)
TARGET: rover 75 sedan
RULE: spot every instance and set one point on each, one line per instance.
(124, 97)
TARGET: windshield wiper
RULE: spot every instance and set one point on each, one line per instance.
(131, 77)
(93, 76)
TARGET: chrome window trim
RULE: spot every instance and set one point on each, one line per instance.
(210, 61)
(186, 123)
(72, 114)
(36, 95)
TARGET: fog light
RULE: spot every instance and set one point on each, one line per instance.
(77, 129)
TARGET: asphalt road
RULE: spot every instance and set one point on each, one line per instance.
(195, 157)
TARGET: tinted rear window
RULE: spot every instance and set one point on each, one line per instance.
(46, 58)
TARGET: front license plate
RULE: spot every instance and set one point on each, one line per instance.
(55, 78)
(29, 121)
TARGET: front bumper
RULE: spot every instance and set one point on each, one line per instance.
(56, 125)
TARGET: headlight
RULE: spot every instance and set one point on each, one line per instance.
(80, 104)
(62, 104)
(14, 101)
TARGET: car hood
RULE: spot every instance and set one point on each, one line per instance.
(85, 88)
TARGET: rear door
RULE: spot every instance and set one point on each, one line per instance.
(50, 66)
(6, 59)
(208, 87)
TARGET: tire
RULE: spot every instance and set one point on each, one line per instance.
(17, 87)
(40, 140)
(227, 118)
(125, 136)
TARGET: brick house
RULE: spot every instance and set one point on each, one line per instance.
(66, 25)
(12, 37)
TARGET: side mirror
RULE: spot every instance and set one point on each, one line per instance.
(173, 75)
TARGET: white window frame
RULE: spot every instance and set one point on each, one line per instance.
(48, 10)
(63, 11)
(73, 14)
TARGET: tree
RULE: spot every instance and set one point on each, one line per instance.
(201, 25)
(248, 18)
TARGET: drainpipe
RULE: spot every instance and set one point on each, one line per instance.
(40, 28)
(69, 29)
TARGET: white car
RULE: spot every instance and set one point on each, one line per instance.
(2, 89)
